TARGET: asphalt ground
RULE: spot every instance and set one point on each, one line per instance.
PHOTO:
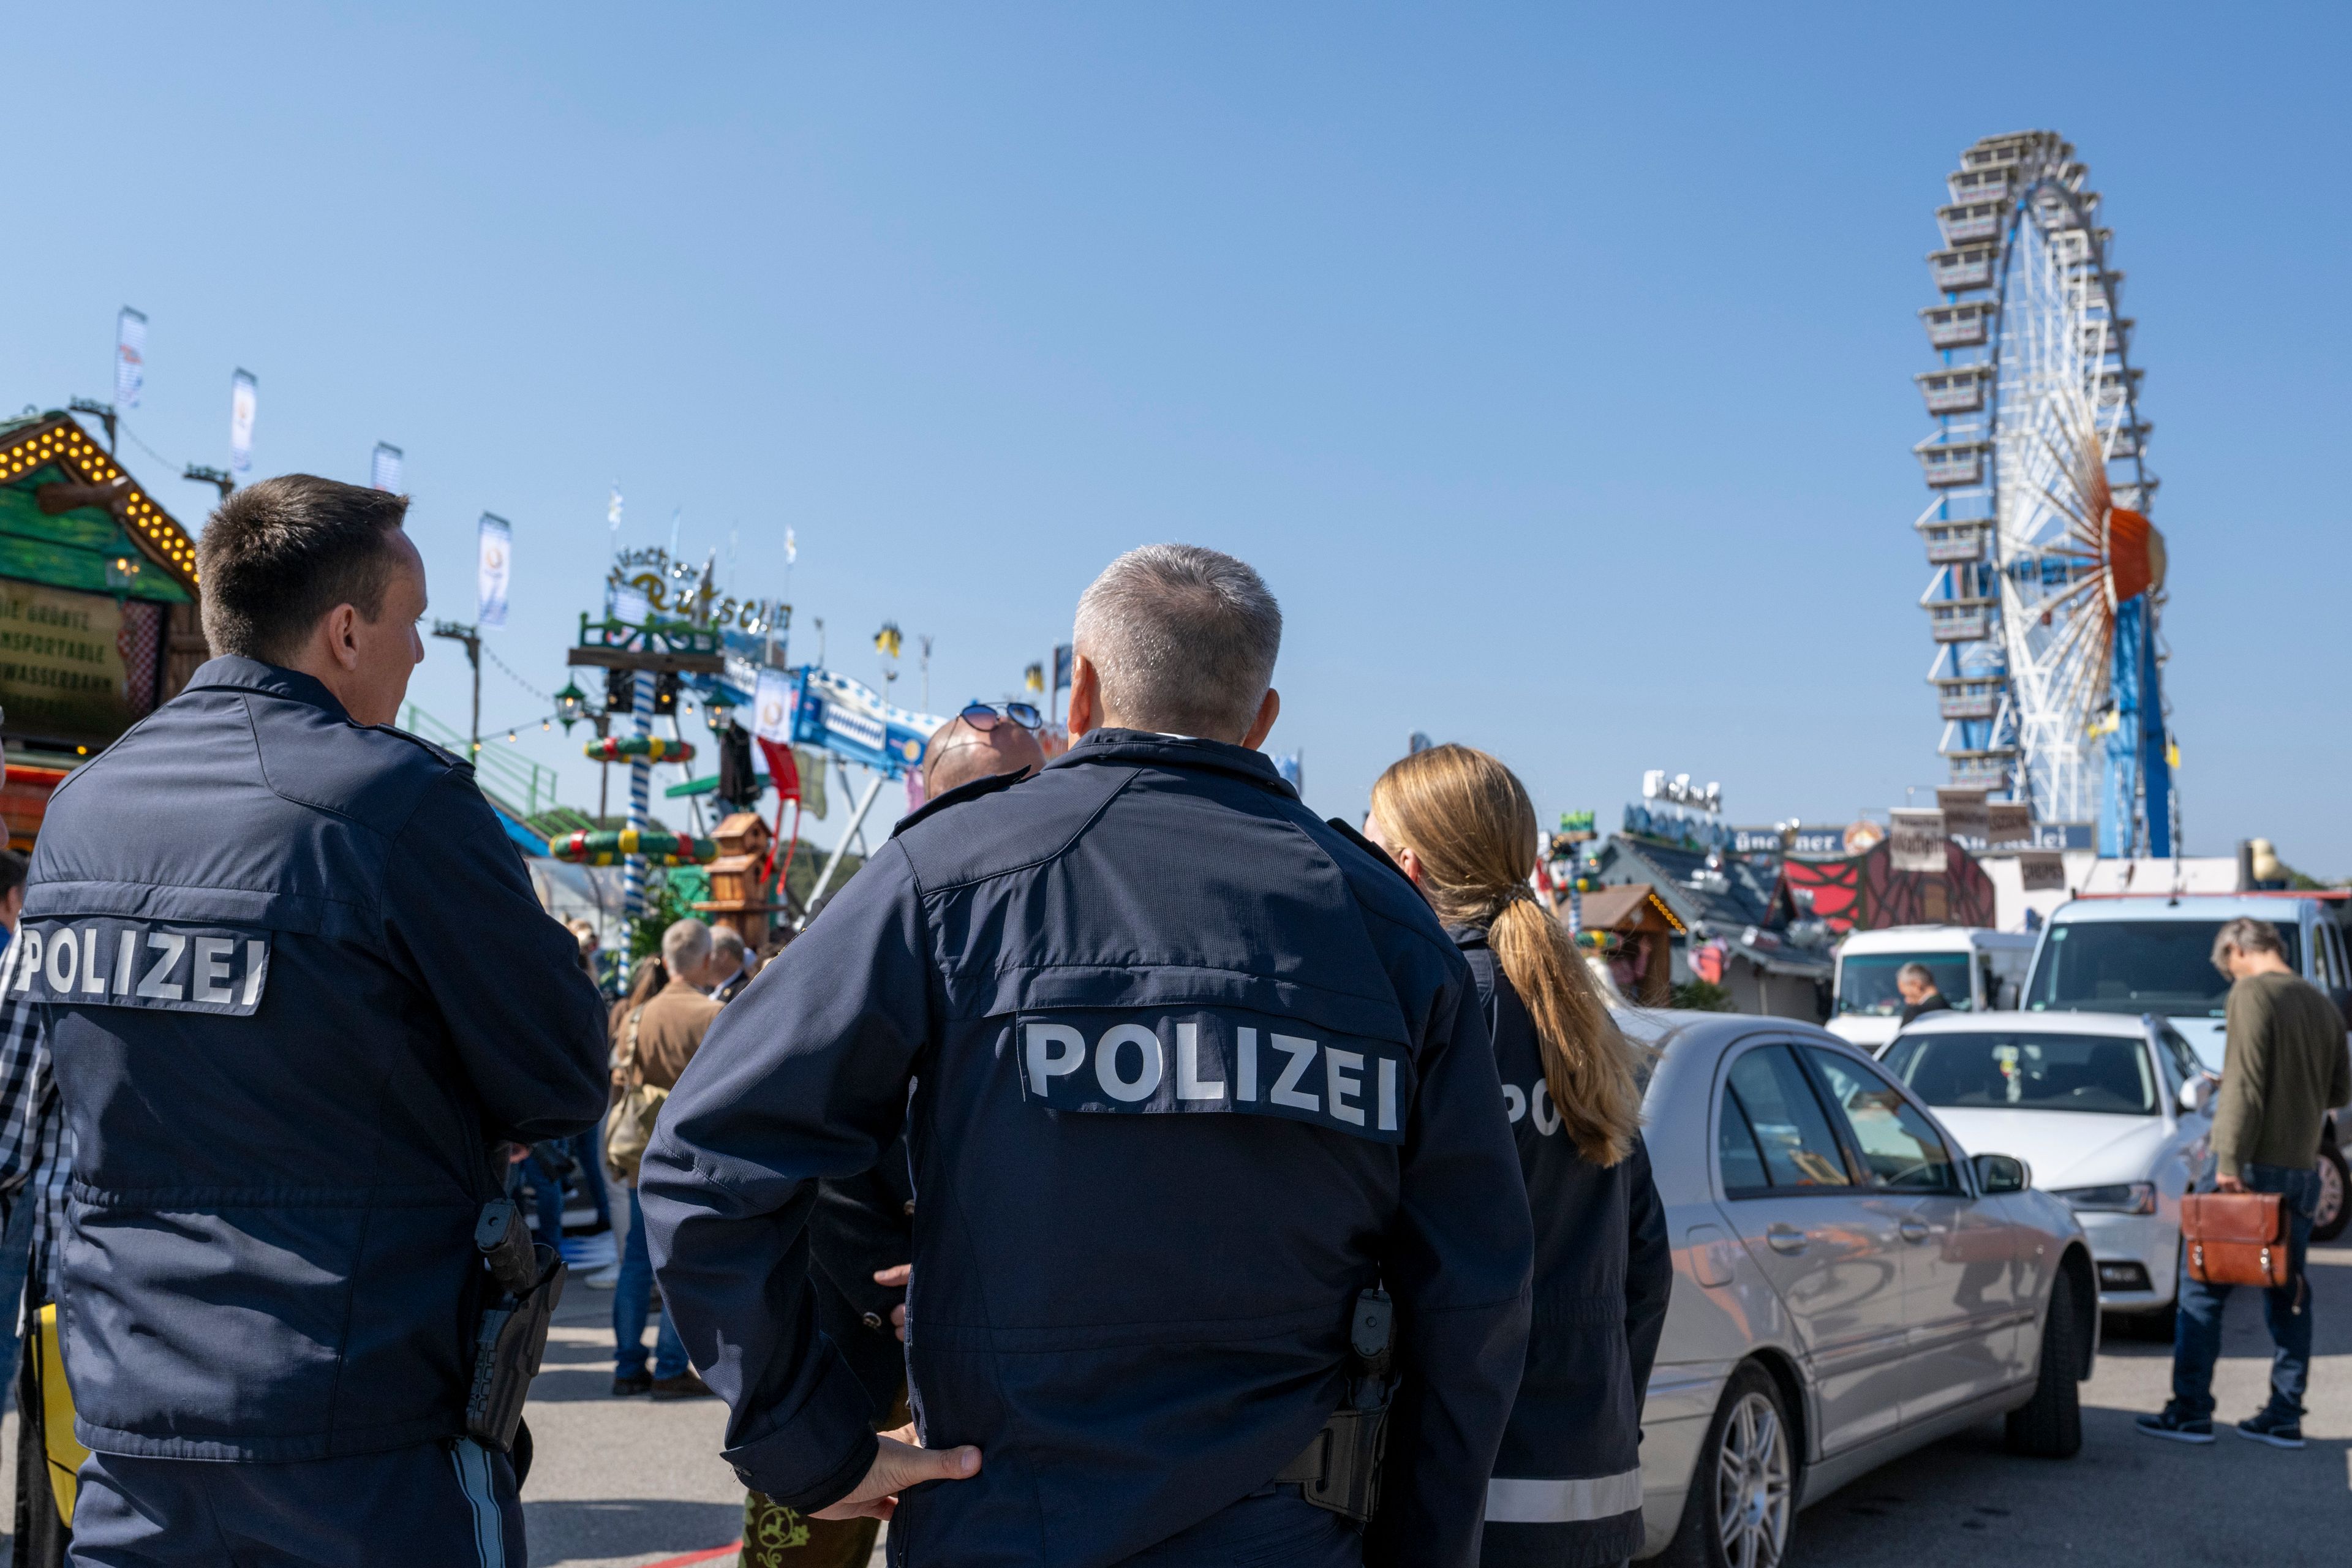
(621, 1483)
(2124, 1500)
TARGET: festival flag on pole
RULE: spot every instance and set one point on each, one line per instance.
(1061, 667)
(772, 726)
(130, 357)
(384, 469)
(1033, 678)
(244, 393)
(791, 547)
(612, 511)
(888, 640)
(497, 564)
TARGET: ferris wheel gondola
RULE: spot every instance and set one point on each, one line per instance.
(2048, 576)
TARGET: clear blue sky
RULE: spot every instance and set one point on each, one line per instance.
(1553, 363)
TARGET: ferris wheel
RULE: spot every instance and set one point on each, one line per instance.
(2048, 576)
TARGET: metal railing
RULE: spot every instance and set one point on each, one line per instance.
(527, 786)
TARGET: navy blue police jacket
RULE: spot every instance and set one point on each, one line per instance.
(296, 984)
(1567, 1492)
(1188, 1070)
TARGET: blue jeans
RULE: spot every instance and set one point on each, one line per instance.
(588, 1148)
(547, 1186)
(633, 1303)
(2197, 1333)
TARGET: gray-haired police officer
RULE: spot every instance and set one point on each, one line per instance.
(297, 985)
(1192, 1072)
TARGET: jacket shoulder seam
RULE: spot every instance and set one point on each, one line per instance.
(1047, 858)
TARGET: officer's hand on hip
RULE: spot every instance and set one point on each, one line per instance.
(901, 1462)
(896, 1279)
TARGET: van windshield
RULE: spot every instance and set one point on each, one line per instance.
(1866, 980)
(2137, 966)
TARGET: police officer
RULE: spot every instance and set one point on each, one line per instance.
(297, 987)
(1192, 1073)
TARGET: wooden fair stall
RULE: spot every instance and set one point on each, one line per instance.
(97, 609)
(1634, 931)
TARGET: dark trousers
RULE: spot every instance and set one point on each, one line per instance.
(450, 1504)
(1273, 1525)
(2197, 1333)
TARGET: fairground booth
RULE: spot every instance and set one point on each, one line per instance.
(98, 607)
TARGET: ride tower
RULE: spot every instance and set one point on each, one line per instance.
(2048, 578)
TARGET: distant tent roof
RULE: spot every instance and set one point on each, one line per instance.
(70, 517)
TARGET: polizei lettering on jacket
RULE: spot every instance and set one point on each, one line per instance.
(1149, 1063)
(109, 962)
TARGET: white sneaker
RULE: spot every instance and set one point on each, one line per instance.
(604, 1279)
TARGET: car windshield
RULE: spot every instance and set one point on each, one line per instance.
(1866, 980)
(2137, 966)
(2019, 1069)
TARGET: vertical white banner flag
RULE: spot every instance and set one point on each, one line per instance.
(496, 563)
(130, 358)
(384, 469)
(771, 707)
(243, 395)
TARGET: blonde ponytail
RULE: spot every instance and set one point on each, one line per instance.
(1469, 823)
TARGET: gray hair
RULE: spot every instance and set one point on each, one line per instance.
(1184, 639)
(2247, 935)
(686, 945)
(1919, 975)
(726, 945)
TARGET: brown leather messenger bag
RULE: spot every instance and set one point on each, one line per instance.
(2235, 1238)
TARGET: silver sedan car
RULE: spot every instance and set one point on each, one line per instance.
(1848, 1285)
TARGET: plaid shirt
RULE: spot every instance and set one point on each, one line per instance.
(36, 1148)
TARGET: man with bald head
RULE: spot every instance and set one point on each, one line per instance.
(980, 742)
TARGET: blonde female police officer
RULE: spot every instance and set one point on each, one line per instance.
(296, 985)
(1191, 1071)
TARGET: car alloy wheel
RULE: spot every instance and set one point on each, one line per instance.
(1752, 1485)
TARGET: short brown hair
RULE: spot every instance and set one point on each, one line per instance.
(280, 555)
(2246, 934)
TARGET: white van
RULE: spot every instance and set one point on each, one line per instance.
(1978, 970)
(2154, 953)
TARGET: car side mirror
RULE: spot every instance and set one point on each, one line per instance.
(2192, 1097)
(2002, 1174)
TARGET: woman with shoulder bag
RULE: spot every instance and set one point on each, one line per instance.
(1567, 1489)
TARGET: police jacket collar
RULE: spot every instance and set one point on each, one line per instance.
(234, 672)
(1142, 747)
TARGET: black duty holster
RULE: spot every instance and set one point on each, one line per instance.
(1340, 1469)
(527, 1282)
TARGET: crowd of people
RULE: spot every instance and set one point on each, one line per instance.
(1125, 1166)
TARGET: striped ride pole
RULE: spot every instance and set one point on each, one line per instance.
(641, 773)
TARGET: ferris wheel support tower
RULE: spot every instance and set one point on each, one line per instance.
(2048, 579)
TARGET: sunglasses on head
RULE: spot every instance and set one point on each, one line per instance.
(986, 716)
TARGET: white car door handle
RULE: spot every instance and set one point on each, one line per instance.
(1785, 1238)
(1915, 1230)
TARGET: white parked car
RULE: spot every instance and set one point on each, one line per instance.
(2112, 1112)
(1848, 1285)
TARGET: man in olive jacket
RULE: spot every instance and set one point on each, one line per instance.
(2285, 1068)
